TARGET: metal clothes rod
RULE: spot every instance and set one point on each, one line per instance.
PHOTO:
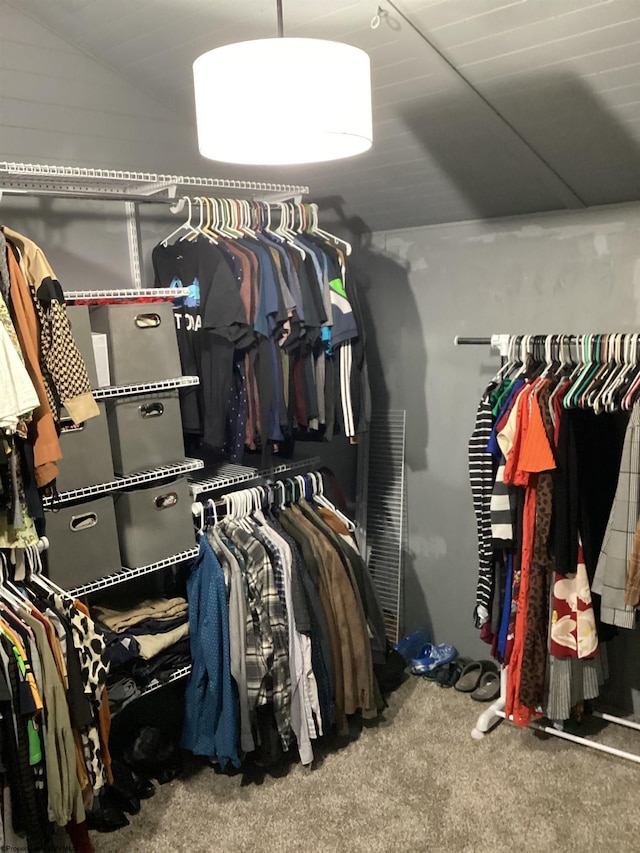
(96, 196)
(498, 342)
(459, 341)
(37, 192)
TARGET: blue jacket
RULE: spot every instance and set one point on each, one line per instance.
(210, 720)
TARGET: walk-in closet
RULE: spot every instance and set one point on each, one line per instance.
(320, 426)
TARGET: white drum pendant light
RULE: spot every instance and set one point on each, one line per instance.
(283, 101)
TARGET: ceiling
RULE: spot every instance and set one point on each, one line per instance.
(482, 108)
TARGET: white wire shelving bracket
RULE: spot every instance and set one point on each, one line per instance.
(183, 672)
(158, 294)
(127, 574)
(144, 387)
(150, 187)
(139, 478)
(233, 475)
(155, 684)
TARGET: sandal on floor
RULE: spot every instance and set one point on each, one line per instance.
(431, 657)
(470, 677)
(472, 673)
(448, 675)
(489, 688)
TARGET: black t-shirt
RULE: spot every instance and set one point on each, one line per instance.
(213, 306)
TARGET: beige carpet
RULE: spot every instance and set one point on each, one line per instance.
(415, 782)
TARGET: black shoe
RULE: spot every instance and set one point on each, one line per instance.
(106, 819)
(142, 755)
(116, 798)
(144, 787)
(168, 774)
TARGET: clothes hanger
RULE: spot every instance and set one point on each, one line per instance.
(196, 228)
(563, 371)
(268, 230)
(325, 234)
(199, 229)
(230, 227)
(321, 499)
(593, 366)
(617, 393)
(286, 233)
(616, 367)
(186, 224)
(522, 360)
(625, 397)
(245, 219)
(44, 583)
(246, 499)
(301, 483)
(206, 226)
(213, 509)
(582, 369)
(8, 593)
(579, 370)
(219, 223)
(257, 215)
(601, 368)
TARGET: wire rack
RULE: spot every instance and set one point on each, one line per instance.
(155, 684)
(227, 475)
(43, 179)
(158, 294)
(183, 672)
(144, 387)
(127, 574)
(162, 472)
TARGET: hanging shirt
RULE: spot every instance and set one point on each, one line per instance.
(210, 723)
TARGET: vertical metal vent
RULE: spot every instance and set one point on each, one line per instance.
(386, 514)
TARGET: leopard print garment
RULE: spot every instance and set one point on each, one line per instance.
(534, 656)
(90, 644)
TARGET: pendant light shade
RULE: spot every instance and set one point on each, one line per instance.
(283, 101)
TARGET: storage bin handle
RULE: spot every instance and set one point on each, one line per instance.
(166, 501)
(151, 410)
(147, 321)
(67, 425)
(83, 522)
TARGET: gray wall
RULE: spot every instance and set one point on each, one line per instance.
(577, 272)
(59, 105)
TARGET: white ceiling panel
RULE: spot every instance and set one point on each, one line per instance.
(523, 105)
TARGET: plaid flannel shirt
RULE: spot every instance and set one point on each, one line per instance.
(269, 625)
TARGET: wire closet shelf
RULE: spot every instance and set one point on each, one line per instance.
(71, 181)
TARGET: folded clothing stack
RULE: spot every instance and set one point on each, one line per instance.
(145, 642)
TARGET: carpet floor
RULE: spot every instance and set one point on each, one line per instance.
(416, 781)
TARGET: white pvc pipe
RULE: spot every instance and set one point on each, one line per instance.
(620, 721)
(601, 747)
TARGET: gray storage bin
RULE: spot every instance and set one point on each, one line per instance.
(86, 452)
(81, 330)
(154, 523)
(145, 431)
(142, 341)
(83, 542)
